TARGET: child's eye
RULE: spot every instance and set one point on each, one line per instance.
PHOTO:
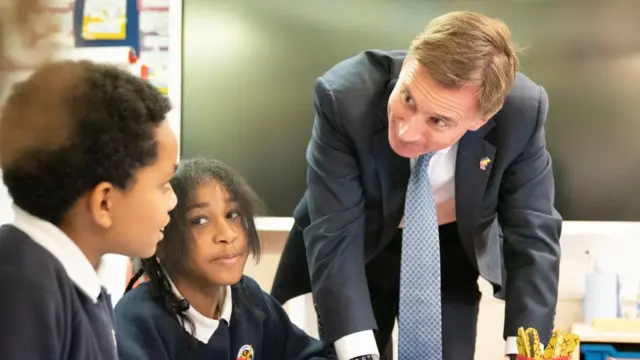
(233, 215)
(199, 221)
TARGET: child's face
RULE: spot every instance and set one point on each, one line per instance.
(218, 248)
(138, 215)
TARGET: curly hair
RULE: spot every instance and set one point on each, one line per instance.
(189, 175)
(71, 126)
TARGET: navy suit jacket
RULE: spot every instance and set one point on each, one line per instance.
(356, 190)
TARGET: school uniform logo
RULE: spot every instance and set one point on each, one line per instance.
(245, 353)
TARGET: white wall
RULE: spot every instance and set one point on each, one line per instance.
(175, 64)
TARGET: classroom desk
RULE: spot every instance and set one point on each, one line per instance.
(588, 335)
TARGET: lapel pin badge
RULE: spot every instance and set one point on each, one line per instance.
(484, 162)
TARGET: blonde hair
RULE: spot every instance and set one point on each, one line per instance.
(464, 48)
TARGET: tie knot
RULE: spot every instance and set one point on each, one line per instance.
(423, 160)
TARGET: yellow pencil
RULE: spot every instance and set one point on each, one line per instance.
(549, 352)
(523, 343)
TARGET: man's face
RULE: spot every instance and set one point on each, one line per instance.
(425, 117)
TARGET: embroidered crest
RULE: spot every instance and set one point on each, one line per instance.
(245, 353)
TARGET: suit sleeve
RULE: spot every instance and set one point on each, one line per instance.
(284, 340)
(531, 227)
(32, 320)
(335, 237)
(136, 336)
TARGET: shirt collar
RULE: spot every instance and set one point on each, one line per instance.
(447, 150)
(73, 260)
(444, 152)
(204, 327)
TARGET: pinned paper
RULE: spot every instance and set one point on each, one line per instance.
(104, 20)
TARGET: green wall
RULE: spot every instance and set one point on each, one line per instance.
(249, 69)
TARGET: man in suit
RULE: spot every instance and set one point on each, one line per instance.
(452, 123)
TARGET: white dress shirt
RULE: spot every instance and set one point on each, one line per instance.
(442, 169)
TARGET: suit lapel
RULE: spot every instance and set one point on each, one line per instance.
(472, 175)
(393, 170)
(394, 176)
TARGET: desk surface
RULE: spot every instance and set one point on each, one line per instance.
(588, 334)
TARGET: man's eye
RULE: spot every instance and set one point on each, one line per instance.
(407, 98)
(439, 122)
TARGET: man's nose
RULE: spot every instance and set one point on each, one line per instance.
(409, 130)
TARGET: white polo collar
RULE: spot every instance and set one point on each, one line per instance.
(204, 327)
(50, 237)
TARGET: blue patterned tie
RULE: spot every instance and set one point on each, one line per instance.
(420, 318)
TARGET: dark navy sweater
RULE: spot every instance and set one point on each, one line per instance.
(259, 327)
(43, 315)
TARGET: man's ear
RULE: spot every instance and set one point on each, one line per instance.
(477, 124)
(101, 204)
(481, 120)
